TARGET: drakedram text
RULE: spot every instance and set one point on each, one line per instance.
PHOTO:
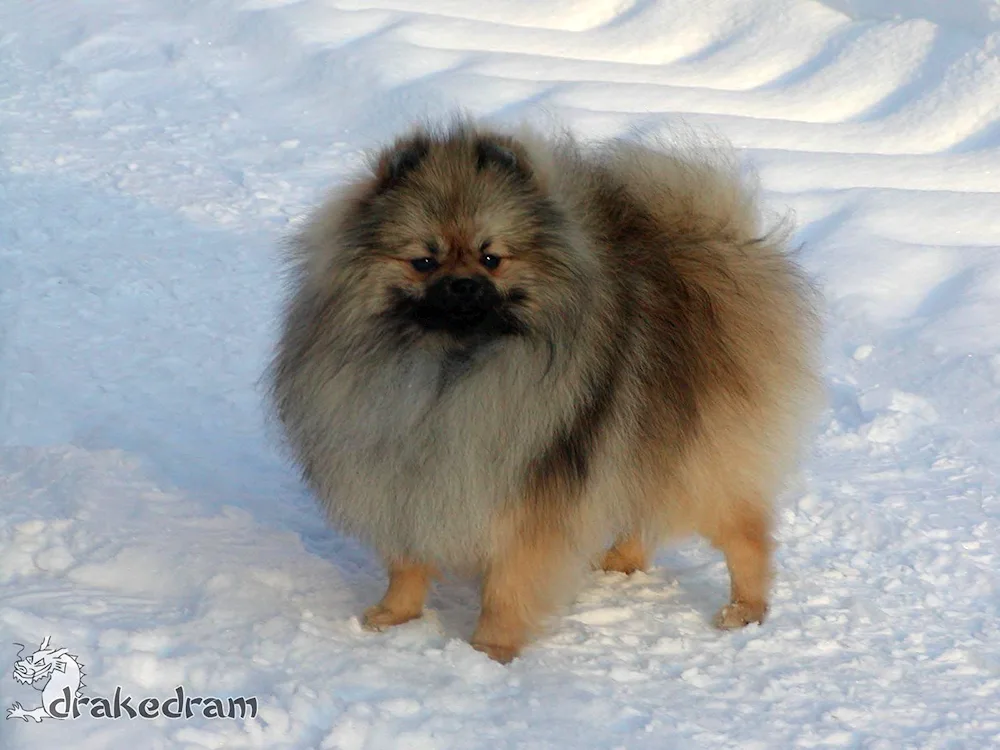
(58, 675)
(177, 706)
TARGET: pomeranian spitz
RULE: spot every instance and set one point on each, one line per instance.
(514, 356)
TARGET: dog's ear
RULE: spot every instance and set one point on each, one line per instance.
(400, 160)
(492, 154)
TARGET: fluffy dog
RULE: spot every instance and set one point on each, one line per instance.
(512, 355)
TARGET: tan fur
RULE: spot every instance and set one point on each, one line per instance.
(627, 555)
(657, 379)
(404, 599)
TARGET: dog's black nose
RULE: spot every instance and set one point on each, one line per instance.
(462, 306)
(466, 289)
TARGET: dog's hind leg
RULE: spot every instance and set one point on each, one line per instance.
(745, 540)
(627, 555)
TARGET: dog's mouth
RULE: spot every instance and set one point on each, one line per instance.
(464, 307)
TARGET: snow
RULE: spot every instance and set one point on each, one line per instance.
(154, 153)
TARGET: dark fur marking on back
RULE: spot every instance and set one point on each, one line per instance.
(678, 321)
(566, 461)
(678, 363)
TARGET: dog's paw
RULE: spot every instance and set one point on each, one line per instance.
(500, 654)
(739, 615)
(379, 618)
(625, 559)
(619, 565)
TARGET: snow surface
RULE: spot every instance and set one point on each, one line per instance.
(152, 155)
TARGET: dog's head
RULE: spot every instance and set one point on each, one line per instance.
(456, 238)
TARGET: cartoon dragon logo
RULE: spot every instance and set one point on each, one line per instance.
(53, 671)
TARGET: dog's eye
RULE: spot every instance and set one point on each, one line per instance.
(424, 265)
(490, 262)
